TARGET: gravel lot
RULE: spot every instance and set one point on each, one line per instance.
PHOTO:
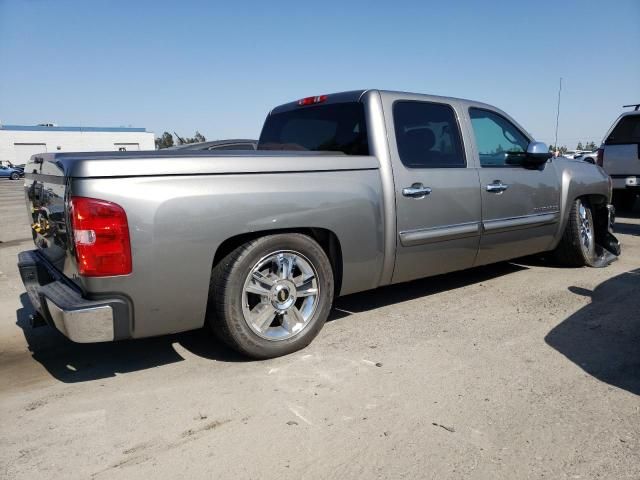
(518, 370)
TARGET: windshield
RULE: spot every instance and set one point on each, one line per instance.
(338, 127)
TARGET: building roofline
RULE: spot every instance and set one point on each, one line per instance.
(39, 128)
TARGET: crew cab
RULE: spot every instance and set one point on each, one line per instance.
(346, 192)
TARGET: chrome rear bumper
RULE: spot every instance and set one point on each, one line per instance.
(62, 305)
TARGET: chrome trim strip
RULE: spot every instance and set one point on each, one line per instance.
(524, 221)
(85, 325)
(421, 236)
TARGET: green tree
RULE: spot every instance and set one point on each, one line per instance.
(562, 149)
(591, 146)
(579, 146)
(197, 138)
(165, 141)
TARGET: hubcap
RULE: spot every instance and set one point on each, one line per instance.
(280, 295)
(586, 232)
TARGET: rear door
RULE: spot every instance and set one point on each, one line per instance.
(437, 193)
(520, 206)
(622, 150)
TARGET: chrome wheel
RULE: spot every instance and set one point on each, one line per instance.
(280, 295)
(586, 229)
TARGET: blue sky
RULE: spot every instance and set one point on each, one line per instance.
(220, 66)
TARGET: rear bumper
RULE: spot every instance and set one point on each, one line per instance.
(62, 305)
(622, 182)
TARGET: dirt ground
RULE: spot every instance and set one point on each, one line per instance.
(518, 370)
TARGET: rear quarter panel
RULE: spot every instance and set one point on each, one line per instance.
(177, 223)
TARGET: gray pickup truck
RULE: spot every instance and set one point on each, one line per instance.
(346, 192)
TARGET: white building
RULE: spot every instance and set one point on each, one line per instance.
(19, 142)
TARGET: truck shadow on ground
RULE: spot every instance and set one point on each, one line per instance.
(74, 362)
(603, 338)
(627, 229)
(372, 299)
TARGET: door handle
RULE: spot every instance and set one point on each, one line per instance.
(417, 190)
(497, 187)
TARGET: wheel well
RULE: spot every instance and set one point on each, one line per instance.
(325, 238)
(596, 200)
(600, 214)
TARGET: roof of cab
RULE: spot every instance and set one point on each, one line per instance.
(356, 95)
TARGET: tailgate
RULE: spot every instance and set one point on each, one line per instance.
(45, 189)
(622, 159)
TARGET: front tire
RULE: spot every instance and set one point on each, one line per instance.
(271, 296)
(14, 176)
(577, 248)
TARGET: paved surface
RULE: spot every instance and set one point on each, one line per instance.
(518, 370)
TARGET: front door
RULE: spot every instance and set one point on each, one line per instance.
(437, 193)
(520, 206)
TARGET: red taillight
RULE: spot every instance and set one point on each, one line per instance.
(600, 157)
(101, 237)
(312, 100)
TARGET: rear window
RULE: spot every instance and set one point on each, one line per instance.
(338, 127)
(627, 131)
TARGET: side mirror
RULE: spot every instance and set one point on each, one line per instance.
(537, 154)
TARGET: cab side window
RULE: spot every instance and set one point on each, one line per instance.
(427, 135)
(496, 137)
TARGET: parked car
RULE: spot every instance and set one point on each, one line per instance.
(619, 156)
(11, 172)
(590, 157)
(571, 154)
(347, 192)
(232, 144)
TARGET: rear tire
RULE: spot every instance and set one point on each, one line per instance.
(577, 246)
(624, 200)
(271, 296)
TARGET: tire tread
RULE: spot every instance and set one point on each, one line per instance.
(568, 252)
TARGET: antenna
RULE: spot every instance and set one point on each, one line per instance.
(180, 139)
(558, 114)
